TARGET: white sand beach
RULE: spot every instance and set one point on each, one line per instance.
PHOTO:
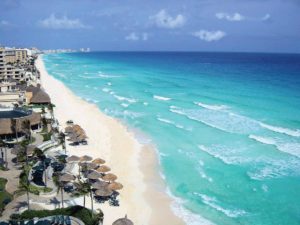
(143, 197)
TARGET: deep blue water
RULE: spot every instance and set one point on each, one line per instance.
(226, 125)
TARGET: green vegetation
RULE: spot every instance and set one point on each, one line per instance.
(31, 188)
(84, 214)
(47, 136)
(5, 197)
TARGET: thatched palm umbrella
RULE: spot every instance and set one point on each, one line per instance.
(103, 192)
(123, 221)
(99, 184)
(30, 149)
(85, 158)
(109, 177)
(69, 129)
(64, 178)
(94, 175)
(115, 186)
(103, 169)
(99, 161)
(17, 149)
(73, 158)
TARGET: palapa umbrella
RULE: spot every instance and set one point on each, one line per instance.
(73, 158)
(109, 177)
(98, 161)
(17, 149)
(103, 169)
(85, 158)
(115, 186)
(30, 149)
(103, 192)
(69, 129)
(99, 184)
(123, 221)
(94, 175)
(66, 177)
(88, 165)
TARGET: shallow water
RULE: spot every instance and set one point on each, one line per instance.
(226, 126)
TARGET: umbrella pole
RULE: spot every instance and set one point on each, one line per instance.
(62, 197)
(92, 202)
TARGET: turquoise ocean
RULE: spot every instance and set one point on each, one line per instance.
(226, 125)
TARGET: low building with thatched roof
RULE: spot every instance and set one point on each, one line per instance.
(35, 95)
(11, 121)
(41, 98)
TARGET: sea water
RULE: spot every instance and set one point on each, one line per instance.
(226, 125)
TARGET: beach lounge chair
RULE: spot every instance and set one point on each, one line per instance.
(52, 221)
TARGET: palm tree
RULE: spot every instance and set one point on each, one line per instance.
(62, 141)
(24, 186)
(3, 145)
(26, 127)
(50, 108)
(83, 189)
(14, 127)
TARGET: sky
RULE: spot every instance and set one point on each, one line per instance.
(153, 25)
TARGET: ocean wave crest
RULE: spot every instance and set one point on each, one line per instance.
(211, 107)
(172, 123)
(282, 130)
(161, 98)
(215, 204)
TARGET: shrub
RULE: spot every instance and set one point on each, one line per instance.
(84, 214)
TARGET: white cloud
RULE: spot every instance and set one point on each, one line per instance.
(209, 36)
(236, 17)
(53, 22)
(164, 20)
(230, 17)
(133, 36)
(4, 23)
(266, 17)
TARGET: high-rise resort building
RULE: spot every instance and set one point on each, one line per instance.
(17, 71)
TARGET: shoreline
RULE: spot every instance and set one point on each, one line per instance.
(144, 198)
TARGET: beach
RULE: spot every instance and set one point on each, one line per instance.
(143, 198)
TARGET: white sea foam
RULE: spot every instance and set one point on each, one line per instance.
(186, 215)
(161, 98)
(109, 83)
(107, 76)
(264, 140)
(211, 107)
(292, 148)
(124, 105)
(122, 98)
(145, 103)
(88, 77)
(172, 123)
(87, 86)
(105, 89)
(215, 204)
(283, 130)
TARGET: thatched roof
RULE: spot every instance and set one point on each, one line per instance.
(94, 175)
(115, 186)
(123, 221)
(40, 97)
(6, 123)
(66, 177)
(109, 177)
(99, 184)
(32, 89)
(103, 192)
(103, 169)
(73, 158)
(98, 161)
(85, 158)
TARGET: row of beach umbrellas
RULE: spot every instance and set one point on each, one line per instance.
(97, 171)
